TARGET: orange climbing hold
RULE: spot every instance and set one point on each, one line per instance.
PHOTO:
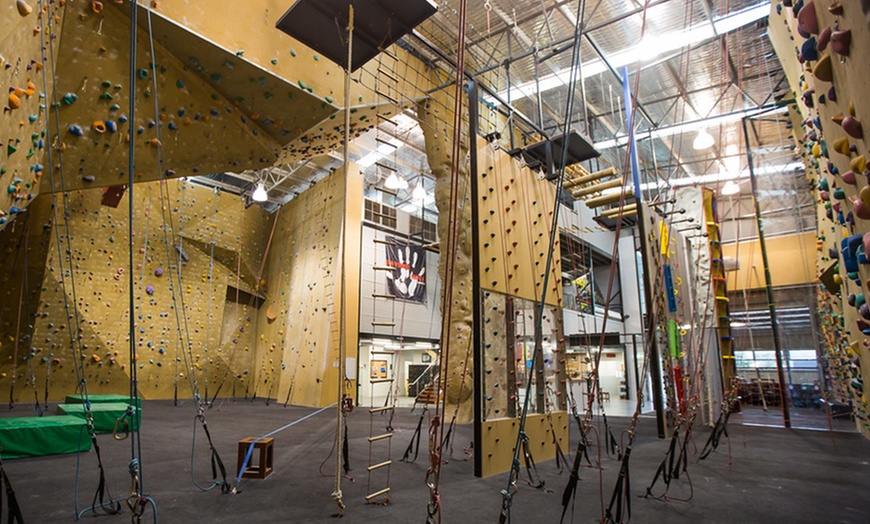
(99, 126)
(14, 101)
(96, 6)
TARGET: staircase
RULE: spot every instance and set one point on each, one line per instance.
(427, 396)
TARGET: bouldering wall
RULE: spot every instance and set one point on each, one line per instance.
(298, 327)
(85, 280)
(821, 46)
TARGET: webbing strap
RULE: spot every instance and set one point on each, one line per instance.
(721, 428)
(345, 451)
(531, 468)
(414, 445)
(621, 493)
(216, 462)
(14, 514)
(665, 468)
(570, 493)
(114, 507)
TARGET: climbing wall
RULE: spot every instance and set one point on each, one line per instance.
(298, 326)
(820, 45)
(85, 279)
(23, 33)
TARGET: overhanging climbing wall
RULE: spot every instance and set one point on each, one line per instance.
(830, 86)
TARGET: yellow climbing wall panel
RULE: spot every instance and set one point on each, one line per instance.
(500, 436)
(792, 262)
(830, 92)
(93, 283)
(516, 211)
(23, 120)
(299, 324)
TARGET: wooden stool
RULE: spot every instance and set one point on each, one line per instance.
(263, 468)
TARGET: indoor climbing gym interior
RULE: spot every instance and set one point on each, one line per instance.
(441, 261)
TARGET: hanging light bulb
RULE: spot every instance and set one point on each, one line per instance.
(392, 181)
(403, 184)
(704, 140)
(730, 188)
(260, 194)
(419, 191)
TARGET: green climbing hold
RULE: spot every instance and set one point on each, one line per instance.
(106, 84)
(114, 107)
(274, 61)
(179, 84)
(33, 118)
(302, 84)
(292, 52)
(106, 96)
(316, 57)
(10, 149)
(143, 73)
(69, 98)
(11, 189)
(330, 99)
(240, 52)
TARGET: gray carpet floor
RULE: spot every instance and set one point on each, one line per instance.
(758, 475)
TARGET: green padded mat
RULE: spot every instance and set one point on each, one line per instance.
(37, 436)
(102, 399)
(105, 414)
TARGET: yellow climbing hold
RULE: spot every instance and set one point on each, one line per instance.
(24, 8)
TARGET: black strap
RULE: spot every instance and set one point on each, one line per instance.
(721, 428)
(611, 445)
(102, 493)
(621, 493)
(531, 468)
(414, 445)
(14, 515)
(345, 451)
(665, 468)
(570, 493)
(216, 463)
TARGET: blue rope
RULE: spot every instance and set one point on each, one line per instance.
(267, 435)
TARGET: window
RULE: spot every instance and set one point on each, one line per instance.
(380, 214)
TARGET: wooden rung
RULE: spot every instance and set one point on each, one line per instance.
(387, 191)
(388, 97)
(604, 173)
(384, 324)
(596, 188)
(385, 118)
(377, 494)
(389, 53)
(380, 437)
(388, 75)
(382, 268)
(380, 140)
(381, 465)
(431, 245)
(382, 409)
(386, 242)
(385, 166)
(380, 380)
(378, 295)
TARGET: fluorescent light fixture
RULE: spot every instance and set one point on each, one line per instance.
(419, 191)
(730, 188)
(260, 194)
(703, 141)
(392, 181)
(651, 48)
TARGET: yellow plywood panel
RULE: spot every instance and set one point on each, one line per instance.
(500, 437)
(791, 258)
(516, 211)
